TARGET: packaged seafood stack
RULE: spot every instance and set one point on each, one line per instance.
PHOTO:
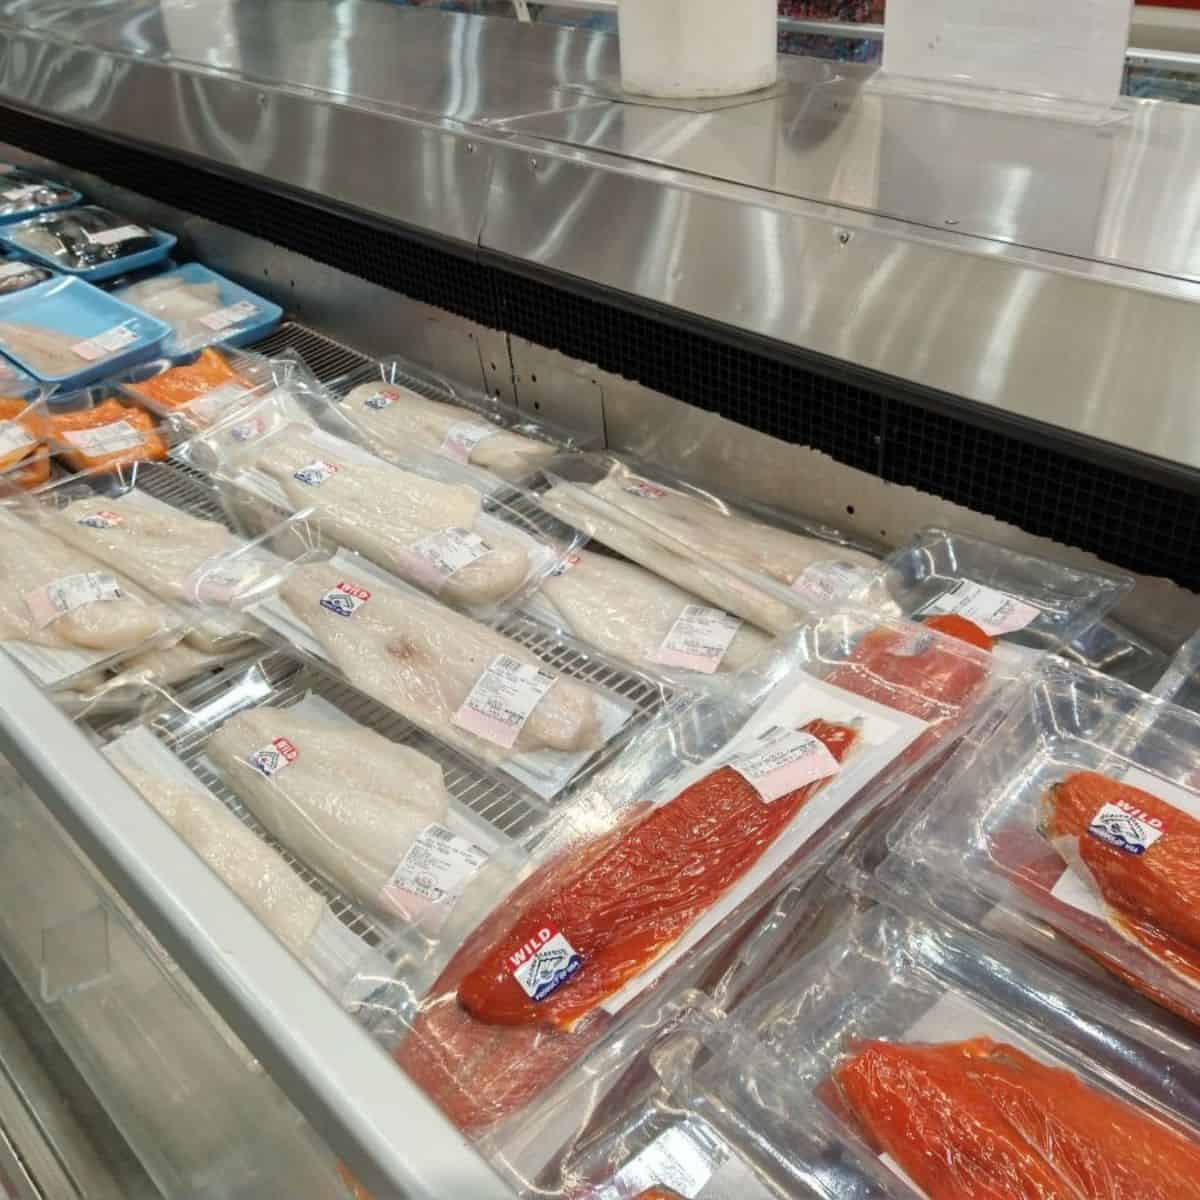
(266, 882)
(1025, 602)
(28, 194)
(766, 568)
(16, 275)
(202, 308)
(25, 456)
(69, 614)
(1070, 824)
(396, 406)
(166, 530)
(1112, 648)
(476, 553)
(900, 1058)
(67, 333)
(91, 242)
(512, 696)
(1180, 682)
(657, 864)
(642, 619)
(427, 843)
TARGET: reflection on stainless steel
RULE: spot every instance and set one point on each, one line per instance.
(1046, 268)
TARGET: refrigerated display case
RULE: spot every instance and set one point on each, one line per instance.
(873, 311)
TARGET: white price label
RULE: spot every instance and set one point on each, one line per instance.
(211, 403)
(544, 963)
(784, 760)
(993, 611)
(345, 599)
(233, 314)
(1126, 827)
(270, 759)
(11, 270)
(698, 639)
(502, 699)
(13, 437)
(435, 558)
(645, 490)
(825, 581)
(434, 872)
(462, 438)
(114, 237)
(315, 473)
(105, 439)
(54, 600)
(103, 344)
(102, 519)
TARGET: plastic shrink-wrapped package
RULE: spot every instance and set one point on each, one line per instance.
(1180, 682)
(662, 856)
(897, 1058)
(769, 569)
(1073, 824)
(397, 407)
(417, 523)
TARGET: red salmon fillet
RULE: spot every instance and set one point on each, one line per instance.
(641, 896)
(480, 1072)
(980, 1120)
(658, 1193)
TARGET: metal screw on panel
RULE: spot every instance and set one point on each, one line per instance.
(950, 221)
(844, 237)
(262, 99)
(534, 164)
(470, 147)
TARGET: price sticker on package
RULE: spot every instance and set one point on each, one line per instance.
(233, 314)
(210, 405)
(54, 600)
(995, 612)
(434, 559)
(462, 438)
(698, 639)
(103, 344)
(114, 237)
(783, 760)
(13, 437)
(502, 699)
(433, 873)
(105, 439)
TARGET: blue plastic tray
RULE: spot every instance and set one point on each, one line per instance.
(33, 210)
(254, 325)
(119, 266)
(75, 308)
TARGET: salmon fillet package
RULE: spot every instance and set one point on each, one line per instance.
(1074, 826)
(658, 859)
(91, 431)
(196, 394)
(769, 569)
(25, 458)
(398, 409)
(419, 523)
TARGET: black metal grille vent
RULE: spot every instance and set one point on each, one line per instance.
(1131, 513)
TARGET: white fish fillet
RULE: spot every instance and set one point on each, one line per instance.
(398, 418)
(627, 611)
(383, 511)
(177, 302)
(255, 872)
(46, 350)
(351, 804)
(422, 660)
(30, 559)
(233, 442)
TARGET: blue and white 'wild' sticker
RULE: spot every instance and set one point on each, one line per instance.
(1134, 832)
(273, 757)
(345, 599)
(544, 963)
(315, 473)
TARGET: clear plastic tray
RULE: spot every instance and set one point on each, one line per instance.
(1180, 682)
(1029, 601)
(1111, 648)
(977, 849)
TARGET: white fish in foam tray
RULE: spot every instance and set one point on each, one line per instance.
(422, 660)
(383, 511)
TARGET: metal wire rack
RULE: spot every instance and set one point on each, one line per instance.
(326, 358)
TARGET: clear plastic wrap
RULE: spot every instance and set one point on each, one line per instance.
(901, 1049)
(496, 694)
(90, 241)
(166, 530)
(1111, 648)
(1074, 823)
(396, 407)
(264, 881)
(25, 456)
(639, 617)
(1028, 601)
(69, 613)
(666, 853)
(477, 553)
(1180, 682)
(737, 560)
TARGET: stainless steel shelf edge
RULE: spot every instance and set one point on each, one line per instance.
(358, 1100)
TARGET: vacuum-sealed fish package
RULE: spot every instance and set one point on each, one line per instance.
(92, 242)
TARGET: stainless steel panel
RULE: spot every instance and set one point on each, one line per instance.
(1045, 337)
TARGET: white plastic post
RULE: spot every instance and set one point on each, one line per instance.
(691, 48)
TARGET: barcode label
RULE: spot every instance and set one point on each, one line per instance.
(234, 314)
(103, 344)
(114, 237)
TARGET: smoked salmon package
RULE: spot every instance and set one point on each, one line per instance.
(1034, 603)
(771, 570)
(93, 430)
(396, 407)
(26, 460)
(662, 857)
(1077, 818)
(478, 553)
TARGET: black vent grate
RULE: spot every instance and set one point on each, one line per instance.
(1130, 512)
